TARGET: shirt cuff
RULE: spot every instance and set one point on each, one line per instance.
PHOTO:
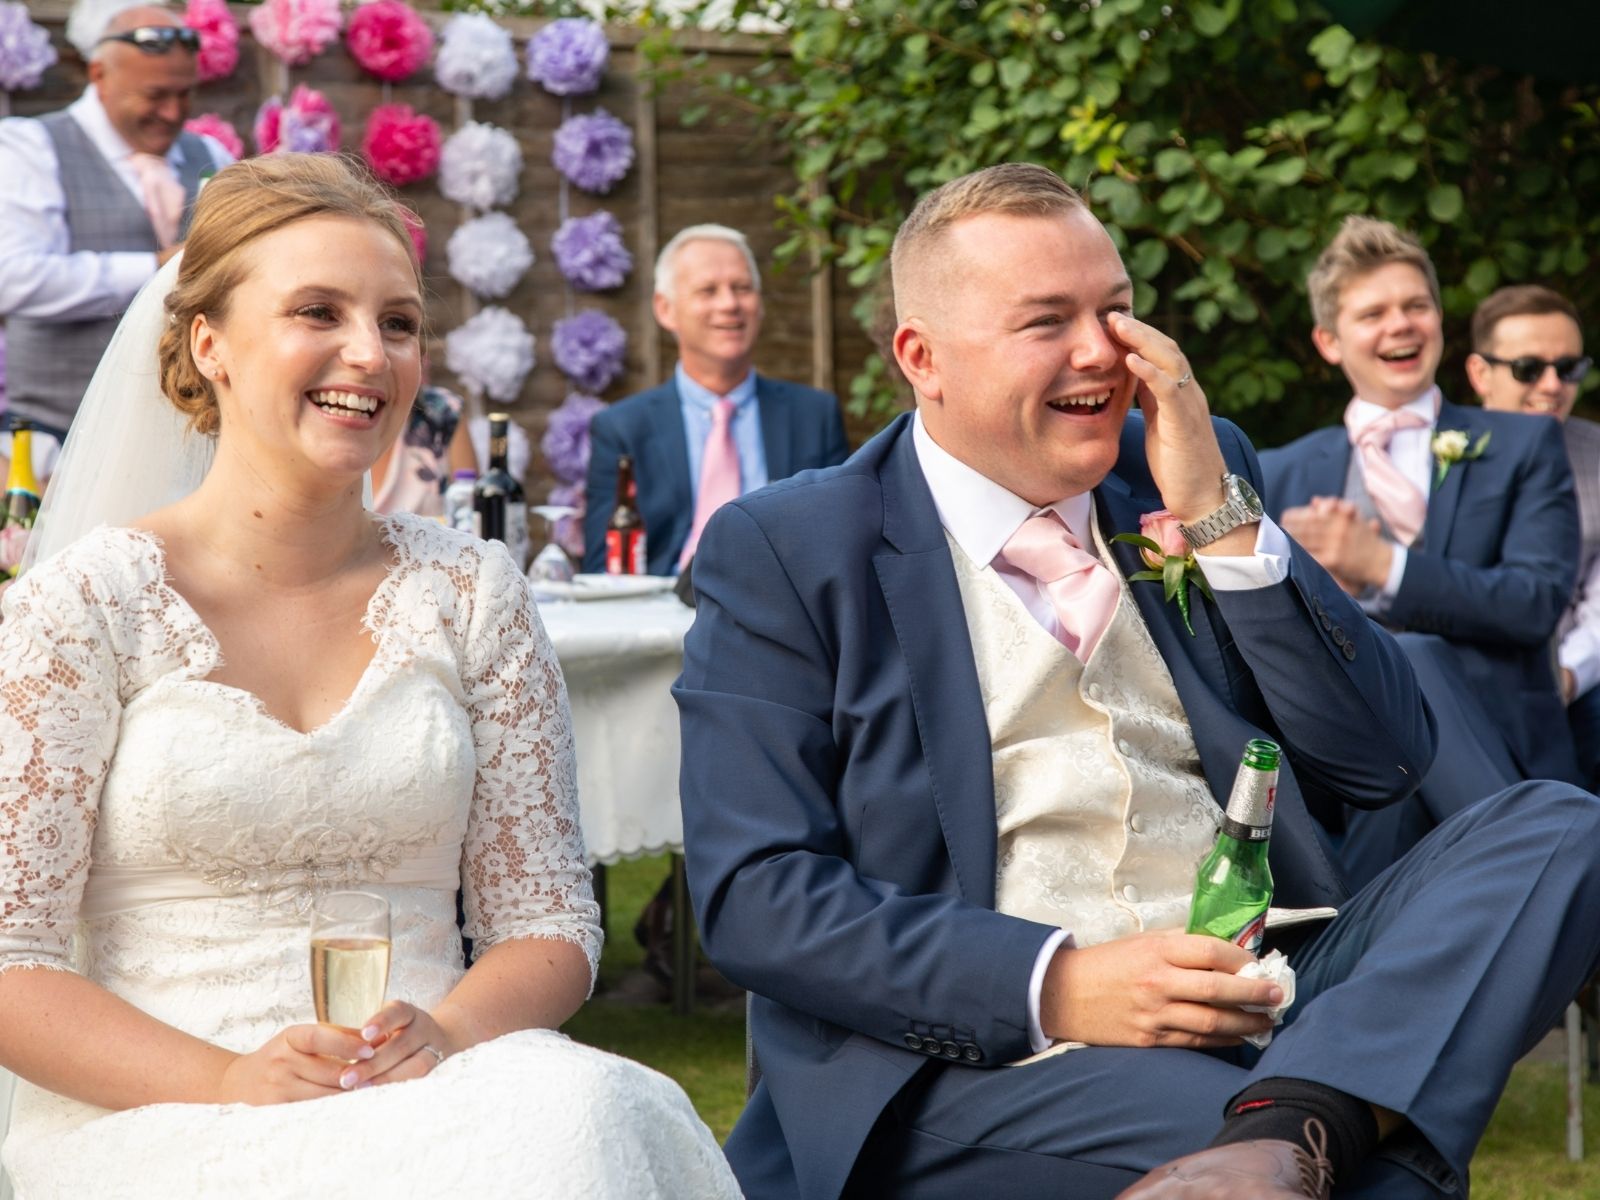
(127, 271)
(1580, 655)
(1243, 573)
(1036, 1037)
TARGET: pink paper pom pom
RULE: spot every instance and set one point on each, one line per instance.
(219, 39)
(214, 126)
(389, 40)
(417, 230)
(296, 30)
(401, 146)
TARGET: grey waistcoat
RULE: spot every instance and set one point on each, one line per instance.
(49, 361)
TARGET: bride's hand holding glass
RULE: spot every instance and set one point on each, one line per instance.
(302, 1062)
(406, 1043)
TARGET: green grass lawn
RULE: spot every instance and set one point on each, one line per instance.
(1523, 1156)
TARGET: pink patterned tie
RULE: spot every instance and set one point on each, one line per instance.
(163, 195)
(719, 474)
(1081, 589)
(1402, 507)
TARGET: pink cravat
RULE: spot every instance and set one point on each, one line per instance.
(1402, 507)
(1081, 589)
(719, 474)
(163, 195)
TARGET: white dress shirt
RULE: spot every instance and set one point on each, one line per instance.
(981, 516)
(38, 277)
(1411, 451)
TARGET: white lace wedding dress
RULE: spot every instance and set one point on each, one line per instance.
(164, 835)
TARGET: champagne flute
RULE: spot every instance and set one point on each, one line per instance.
(551, 564)
(349, 957)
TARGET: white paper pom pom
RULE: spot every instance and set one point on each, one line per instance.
(489, 254)
(476, 58)
(492, 352)
(480, 166)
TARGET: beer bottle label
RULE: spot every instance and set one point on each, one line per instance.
(640, 558)
(1250, 937)
(624, 552)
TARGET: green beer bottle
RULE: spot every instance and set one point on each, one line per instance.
(1234, 884)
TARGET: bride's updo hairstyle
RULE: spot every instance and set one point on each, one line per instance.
(239, 204)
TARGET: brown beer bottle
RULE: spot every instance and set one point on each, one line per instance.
(625, 544)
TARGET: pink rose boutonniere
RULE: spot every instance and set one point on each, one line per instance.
(1172, 563)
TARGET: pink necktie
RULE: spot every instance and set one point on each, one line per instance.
(1402, 507)
(719, 474)
(1081, 589)
(163, 195)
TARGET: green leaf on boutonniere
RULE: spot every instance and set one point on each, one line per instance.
(1172, 578)
(1449, 446)
(1177, 572)
(1139, 540)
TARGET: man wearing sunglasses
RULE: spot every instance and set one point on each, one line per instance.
(1528, 357)
(93, 199)
(1455, 528)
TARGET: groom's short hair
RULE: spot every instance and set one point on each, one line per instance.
(1020, 189)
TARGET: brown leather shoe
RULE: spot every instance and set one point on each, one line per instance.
(1263, 1170)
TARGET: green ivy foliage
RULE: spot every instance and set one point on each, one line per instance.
(1221, 142)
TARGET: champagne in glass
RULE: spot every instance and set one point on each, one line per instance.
(349, 957)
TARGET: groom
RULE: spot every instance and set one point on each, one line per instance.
(947, 776)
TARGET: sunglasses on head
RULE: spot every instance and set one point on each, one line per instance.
(157, 39)
(1570, 368)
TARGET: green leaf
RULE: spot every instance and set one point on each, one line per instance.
(1139, 540)
(1445, 202)
(1286, 172)
(1482, 276)
(1145, 577)
(1332, 46)
(1148, 258)
(1173, 162)
(1183, 609)
(1210, 20)
(1271, 245)
(1014, 73)
(1172, 576)
(982, 73)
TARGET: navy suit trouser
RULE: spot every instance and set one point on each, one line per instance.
(1473, 761)
(1418, 998)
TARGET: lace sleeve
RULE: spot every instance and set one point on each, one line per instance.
(523, 871)
(59, 715)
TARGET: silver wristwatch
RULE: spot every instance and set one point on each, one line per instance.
(1240, 506)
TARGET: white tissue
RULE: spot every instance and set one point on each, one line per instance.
(1274, 966)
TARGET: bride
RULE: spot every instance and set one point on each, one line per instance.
(214, 711)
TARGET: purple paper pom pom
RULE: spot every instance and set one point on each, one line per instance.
(568, 531)
(25, 49)
(588, 347)
(566, 437)
(593, 150)
(590, 252)
(568, 57)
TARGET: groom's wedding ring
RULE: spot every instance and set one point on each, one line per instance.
(1183, 380)
(435, 1051)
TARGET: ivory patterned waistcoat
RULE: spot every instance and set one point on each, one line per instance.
(1103, 812)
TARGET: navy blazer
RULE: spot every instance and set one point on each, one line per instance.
(800, 428)
(1497, 569)
(838, 797)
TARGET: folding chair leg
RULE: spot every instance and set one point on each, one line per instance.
(1574, 1083)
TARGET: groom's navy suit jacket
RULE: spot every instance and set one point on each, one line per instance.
(801, 428)
(838, 799)
(1496, 570)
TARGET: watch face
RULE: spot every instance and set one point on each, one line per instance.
(1246, 496)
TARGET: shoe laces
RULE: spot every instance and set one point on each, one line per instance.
(1316, 1170)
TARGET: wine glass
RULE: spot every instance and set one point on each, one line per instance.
(551, 565)
(349, 957)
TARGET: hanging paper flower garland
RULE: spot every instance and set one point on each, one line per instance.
(476, 58)
(480, 166)
(568, 57)
(489, 255)
(588, 348)
(388, 39)
(590, 253)
(219, 38)
(593, 151)
(213, 126)
(296, 30)
(566, 436)
(492, 352)
(25, 49)
(401, 146)
(306, 125)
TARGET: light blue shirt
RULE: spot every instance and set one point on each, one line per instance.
(697, 402)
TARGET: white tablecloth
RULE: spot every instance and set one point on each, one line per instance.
(620, 658)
